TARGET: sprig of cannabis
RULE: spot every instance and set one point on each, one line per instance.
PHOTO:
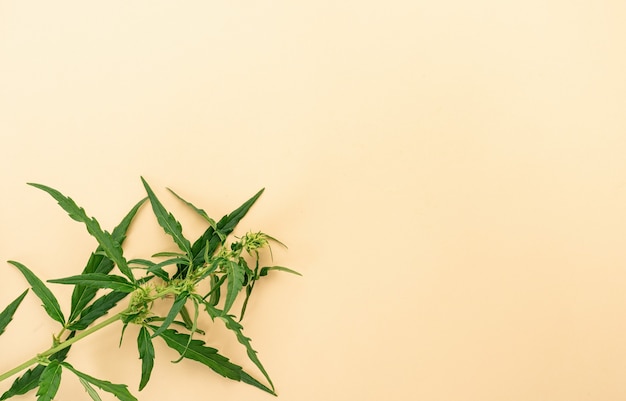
(214, 258)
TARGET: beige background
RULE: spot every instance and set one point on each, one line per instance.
(450, 177)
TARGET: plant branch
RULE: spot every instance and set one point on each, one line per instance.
(61, 346)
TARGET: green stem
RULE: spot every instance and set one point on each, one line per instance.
(62, 346)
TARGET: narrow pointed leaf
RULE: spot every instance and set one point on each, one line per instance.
(120, 391)
(81, 296)
(98, 280)
(122, 333)
(98, 309)
(267, 269)
(193, 330)
(109, 245)
(228, 223)
(249, 289)
(184, 314)
(157, 268)
(7, 314)
(175, 322)
(167, 262)
(216, 292)
(25, 383)
(119, 232)
(201, 212)
(237, 328)
(49, 382)
(146, 354)
(246, 378)
(197, 351)
(141, 262)
(170, 254)
(179, 302)
(90, 390)
(225, 226)
(50, 303)
(167, 221)
(269, 237)
(233, 285)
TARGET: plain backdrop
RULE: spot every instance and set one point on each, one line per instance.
(449, 176)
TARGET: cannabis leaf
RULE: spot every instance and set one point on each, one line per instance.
(167, 221)
(22, 385)
(120, 391)
(234, 284)
(98, 309)
(179, 303)
(50, 303)
(49, 382)
(211, 238)
(90, 390)
(146, 354)
(201, 212)
(109, 245)
(237, 328)
(98, 280)
(267, 269)
(7, 314)
(98, 263)
(197, 351)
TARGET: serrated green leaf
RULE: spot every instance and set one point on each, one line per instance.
(167, 262)
(30, 379)
(170, 254)
(82, 295)
(25, 383)
(154, 268)
(109, 245)
(141, 262)
(234, 284)
(119, 232)
(146, 354)
(175, 322)
(246, 378)
(98, 309)
(50, 303)
(98, 263)
(157, 268)
(7, 314)
(194, 327)
(49, 382)
(179, 302)
(267, 269)
(120, 391)
(249, 289)
(228, 224)
(167, 221)
(236, 328)
(184, 314)
(197, 351)
(216, 292)
(90, 390)
(98, 280)
(211, 239)
(201, 212)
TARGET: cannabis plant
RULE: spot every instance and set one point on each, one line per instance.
(205, 276)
